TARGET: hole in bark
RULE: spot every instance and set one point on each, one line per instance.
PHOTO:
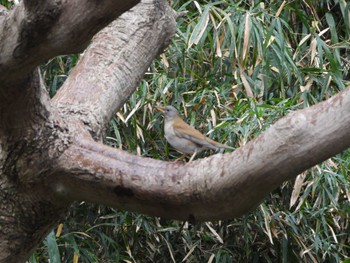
(191, 219)
(123, 191)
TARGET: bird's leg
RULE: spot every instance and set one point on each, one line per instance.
(192, 157)
(180, 230)
(181, 158)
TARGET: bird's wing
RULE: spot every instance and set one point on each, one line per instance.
(183, 130)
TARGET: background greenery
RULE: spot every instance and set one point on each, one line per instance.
(233, 69)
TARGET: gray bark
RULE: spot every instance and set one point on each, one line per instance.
(49, 156)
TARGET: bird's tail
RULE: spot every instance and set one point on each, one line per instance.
(220, 145)
(223, 146)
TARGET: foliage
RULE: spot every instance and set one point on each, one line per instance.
(233, 69)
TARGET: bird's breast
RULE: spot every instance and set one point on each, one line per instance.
(181, 144)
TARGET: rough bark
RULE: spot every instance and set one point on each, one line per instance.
(31, 137)
(48, 155)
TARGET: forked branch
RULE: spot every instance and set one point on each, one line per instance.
(115, 62)
(32, 33)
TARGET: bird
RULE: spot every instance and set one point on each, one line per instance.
(183, 137)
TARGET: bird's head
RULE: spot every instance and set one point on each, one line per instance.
(168, 111)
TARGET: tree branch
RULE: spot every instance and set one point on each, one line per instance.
(32, 33)
(24, 105)
(100, 84)
(218, 187)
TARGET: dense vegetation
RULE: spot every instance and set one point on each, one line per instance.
(233, 69)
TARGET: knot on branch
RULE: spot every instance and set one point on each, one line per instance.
(78, 114)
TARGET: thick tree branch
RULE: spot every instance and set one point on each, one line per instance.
(218, 187)
(100, 84)
(32, 33)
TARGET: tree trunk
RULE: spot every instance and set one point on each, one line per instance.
(49, 154)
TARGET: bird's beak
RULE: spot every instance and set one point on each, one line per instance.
(161, 109)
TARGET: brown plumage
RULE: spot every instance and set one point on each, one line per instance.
(184, 137)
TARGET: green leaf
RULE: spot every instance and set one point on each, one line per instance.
(52, 247)
(200, 28)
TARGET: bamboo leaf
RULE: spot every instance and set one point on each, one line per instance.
(297, 188)
(52, 247)
(200, 28)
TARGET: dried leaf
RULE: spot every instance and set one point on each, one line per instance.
(247, 86)
(308, 85)
(217, 40)
(213, 116)
(217, 236)
(164, 60)
(189, 253)
(279, 11)
(267, 220)
(137, 106)
(246, 37)
(297, 188)
(59, 230)
(75, 257)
